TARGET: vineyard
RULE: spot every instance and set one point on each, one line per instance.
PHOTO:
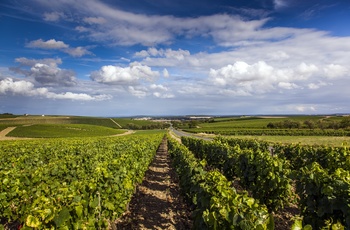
(86, 182)
(71, 184)
(318, 178)
(271, 126)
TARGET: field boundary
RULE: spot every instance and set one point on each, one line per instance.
(116, 123)
(6, 131)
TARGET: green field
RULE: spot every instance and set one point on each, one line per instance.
(72, 126)
(307, 130)
(254, 122)
(101, 121)
(304, 140)
(60, 130)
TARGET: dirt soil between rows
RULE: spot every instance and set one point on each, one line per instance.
(157, 203)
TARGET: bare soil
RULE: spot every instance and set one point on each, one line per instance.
(157, 203)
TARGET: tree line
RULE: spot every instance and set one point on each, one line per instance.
(310, 124)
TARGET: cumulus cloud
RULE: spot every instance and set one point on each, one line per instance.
(261, 77)
(45, 71)
(334, 71)
(58, 45)
(77, 52)
(49, 44)
(26, 88)
(138, 91)
(131, 75)
(241, 72)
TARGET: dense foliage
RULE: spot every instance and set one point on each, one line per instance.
(330, 158)
(259, 172)
(218, 205)
(71, 184)
(324, 196)
(271, 132)
(320, 173)
(272, 126)
(310, 124)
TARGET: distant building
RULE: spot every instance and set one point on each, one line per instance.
(194, 117)
(143, 118)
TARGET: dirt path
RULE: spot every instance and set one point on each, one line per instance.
(116, 123)
(6, 131)
(157, 203)
(123, 134)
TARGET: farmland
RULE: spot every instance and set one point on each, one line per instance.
(72, 126)
(79, 173)
(329, 130)
(316, 180)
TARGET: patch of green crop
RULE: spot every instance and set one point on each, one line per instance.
(63, 130)
(303, 140)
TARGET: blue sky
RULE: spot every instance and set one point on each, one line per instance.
(148, 57)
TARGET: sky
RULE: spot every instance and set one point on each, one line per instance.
(174, 57)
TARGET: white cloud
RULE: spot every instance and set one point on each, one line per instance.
(260, 77)
(287, 85)
(316, 85)
(334, 71)
(53, 16)
(158, 87)
(280, 4)
(45, 71)
(31, 62)
(131, 75)
(304, 108)
(168, 53)
(77, 52)
(241, 72)
(58, 45)
(26, 88)
(138, 91)
(94, 20)
(166, 73)
(49, 44)
(81, 29)
(78, 96)
(19, 87)
(116, 26)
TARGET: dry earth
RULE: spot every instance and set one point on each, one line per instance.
(158, 203)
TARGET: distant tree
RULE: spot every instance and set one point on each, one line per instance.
(345, 122)
(192, 124)
(271, 125)
(321, 124)
(291, 124)
(310, 124)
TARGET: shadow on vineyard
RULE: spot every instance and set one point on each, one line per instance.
(157, 203)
